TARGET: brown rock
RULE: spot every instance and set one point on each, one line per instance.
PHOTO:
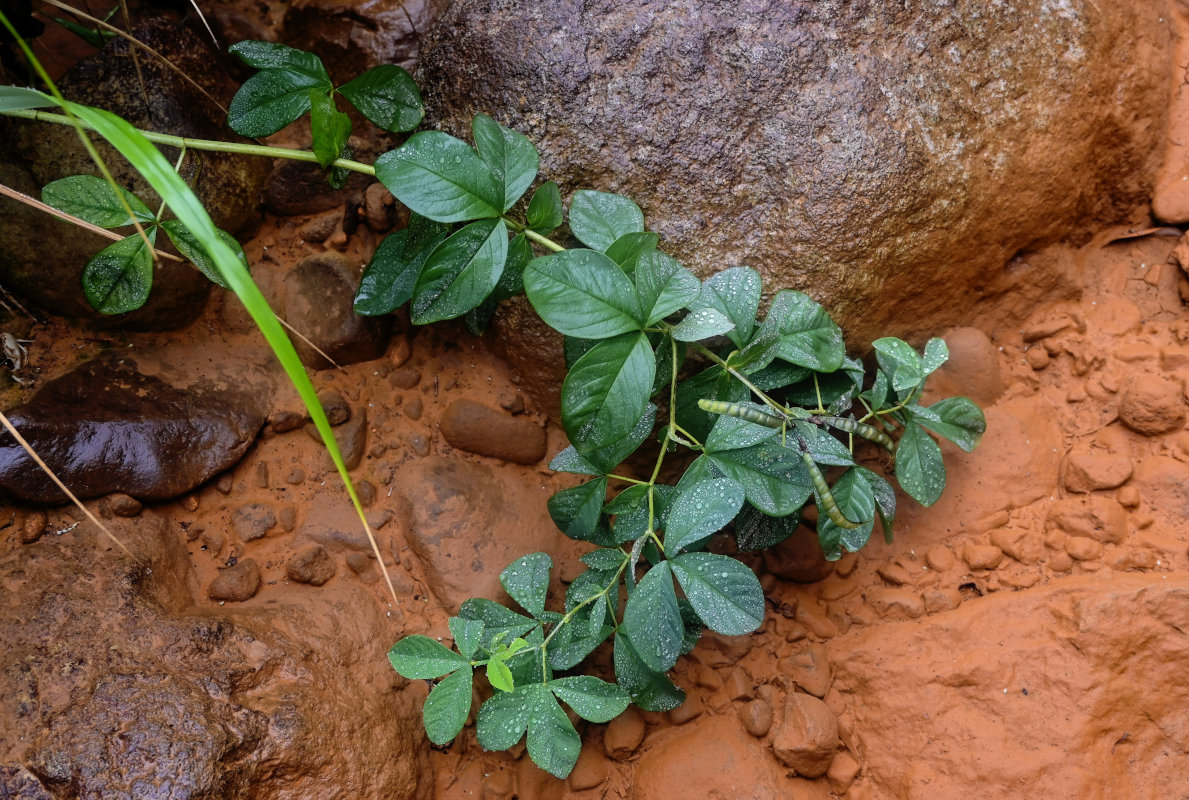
(285, 421)
(351, 437)
(236, 584)
(807, 736)
(123, 505)
(253, 521)
(940, 559)
(311, 564)
(476, 428)
(756, 717)
(843, 771)
(1103, 462)
(1081, 548)
(337, 409)
(809, 667)
(739, 685)
(317, 300)
(624, 734)
(982, 556)
(715, 755)
(590, 771)
(690, 709)
(894, 574)
(798, 558)
(1152, 405)
(938, 600)
(1027, 547)
(404, 378)
(972, 369)
(896, 603)
(1095, 516)
(33, 526)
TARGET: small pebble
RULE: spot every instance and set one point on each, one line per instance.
(590, 771)
(366, 490)
(756, 717)
(413, 409)
(691, 708)
(940, 559)
(123, 505)
(261, 474)
(285, 421)
(237, 583)
(336, 408)
(287, 517)
(295, 476)
(624, 734)
(1083, 548)
(253, 521)
(982, 556)
(405, 378)
(223, 484)
(895, 574)
(190, 503)
(311, 564)
(33, 526)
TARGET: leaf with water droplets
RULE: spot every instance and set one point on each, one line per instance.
(755, 530)
(503, 719)
(467, 633)
(920, 468)
(606, 393)
(902, 364)
(442, 178)
(446, 709)
(735, 293)
(526, 580)
(957, 419)
(592, 699)
(598, 219)
(701, 510)
(854, 497)
(553, 744)
(418, 657)
(775, 479)
(650, 690)
(724, 592)
(576, 510)
(702, 324)
(663, 286)
(652, 620)
(496, 619)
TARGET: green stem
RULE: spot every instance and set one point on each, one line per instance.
(207, 144)
(544, 241)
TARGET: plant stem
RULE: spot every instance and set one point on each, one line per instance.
(544, 241)
(212, 145)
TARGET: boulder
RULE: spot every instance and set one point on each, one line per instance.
(106, 426)
(887, 158)
(191, 699)
(42, 257)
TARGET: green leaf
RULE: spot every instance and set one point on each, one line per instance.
(604, 559)
(693, 626)
(700, 511)
(592, 699)
(606, 393)
(576, 510)
(188, 245)
(775, 479)
(526, 580)
(732, 433)
(529, 666)
(808, 336)
(724, 592)
(270, 55)
(503, 719)
(545, 213)
(388, 97)
(330, 128)
(553, 744)
(118, 278)
(936, 354)
(855, 498)
(467, 633)
(959, 420)
(663, 286)
(734, 293)
(920, 468)
(599, 218)
(511, 282)
(755, 530)
(627, 249)
(510, 156)
(904, 367)
(631, 508)
(499, 676)
(570, 460)
(650, 690)
(652, 621)
(446, 709)
(575, 641)
(496, 620)
(420, 657)
(273, 98)
(460, 272)
(582, 293)
(885, 500)
(442, 178)
(608, 457)
(390, 277)
(13, 98)
(701, 324)
(92, 199)
(878, 394)
(824, 448)
(711, 384)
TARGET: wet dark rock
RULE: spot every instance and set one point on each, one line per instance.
(337, 409)
(191, 700)
(478, 429)
(285, 421)
(351, 437)
(857, 151)
(404, 378)
(253, 521)
(106, 427)
(236, 583)
(311, 564)
(317, 300)
(296, 188)
(43, 257)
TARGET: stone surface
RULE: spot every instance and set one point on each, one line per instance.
(624, 734)
(1097, 517)
(1102, 462)
(1152, 405)
(756, 717)
(478, 429)
(816, 139)
(192, 700)
(237, 583)
(1080, 660)
(590, 771)
(317, 300)
(809, 667)
(1024, 546)
(43, 257)
(972, 369)
(311, 564)
(807, 736)
(982, 556)
(712, 758)
(106, 426)
(253, 521)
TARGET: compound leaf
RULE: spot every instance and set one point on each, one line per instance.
(388, 97)
(419, 657)
(510, 156)
(582, 293)
(460, 272)
(599, 218)
(652, 620)
(526, 580)
(446, 709)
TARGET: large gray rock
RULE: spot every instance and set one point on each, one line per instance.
(887, 158)
(42, 258)
(108, 427)
(113, 684)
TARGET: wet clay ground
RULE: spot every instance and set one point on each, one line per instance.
(1026, 633)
